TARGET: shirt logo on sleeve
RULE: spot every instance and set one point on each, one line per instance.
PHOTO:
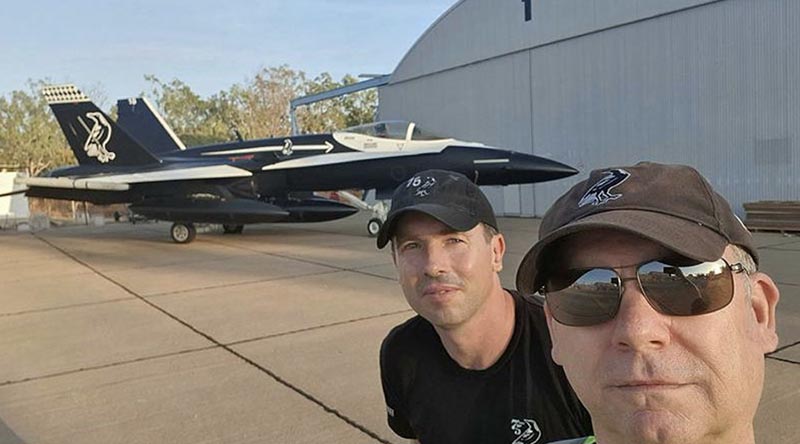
(526, 431)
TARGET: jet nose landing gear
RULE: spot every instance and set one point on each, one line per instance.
(374, 226)
(183, 233)
(379, 211)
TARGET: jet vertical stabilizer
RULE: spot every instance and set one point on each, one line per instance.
(141, 120)
(93, 136)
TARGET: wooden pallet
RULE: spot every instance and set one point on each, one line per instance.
(771, 215)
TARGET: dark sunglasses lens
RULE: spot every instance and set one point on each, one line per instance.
(583, 298)
(688, 290)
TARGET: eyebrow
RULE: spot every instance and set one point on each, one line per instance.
(401, 236)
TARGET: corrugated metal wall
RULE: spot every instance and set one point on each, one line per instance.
(476, 30)
(714, 86)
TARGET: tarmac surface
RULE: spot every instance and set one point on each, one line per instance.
(114, 334)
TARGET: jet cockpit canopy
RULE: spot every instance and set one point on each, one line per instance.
(394, 129)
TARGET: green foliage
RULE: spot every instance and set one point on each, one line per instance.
(196, 121)
(259, 107)
(340, 112)
(262, 103)
(30, 137)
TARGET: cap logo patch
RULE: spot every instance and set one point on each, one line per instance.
(422, 186)
(600, 192)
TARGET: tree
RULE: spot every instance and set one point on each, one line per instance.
(337, 113)
(262, 102)
(259, 107)
(29, 134)
(196, 121)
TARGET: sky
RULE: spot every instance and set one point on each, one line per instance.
(109, 46)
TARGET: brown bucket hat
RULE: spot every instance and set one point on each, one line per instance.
(672, 205)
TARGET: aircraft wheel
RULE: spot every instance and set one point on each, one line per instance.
(232, 229)
(183, 233)
(374, 226)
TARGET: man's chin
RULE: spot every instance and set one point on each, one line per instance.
(445, 318)
(659, 426)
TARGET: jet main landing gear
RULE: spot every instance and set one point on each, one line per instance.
(232, 229)
(183, 233)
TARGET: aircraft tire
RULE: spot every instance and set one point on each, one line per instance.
(182, 233)
(232, 229)
(374, 226)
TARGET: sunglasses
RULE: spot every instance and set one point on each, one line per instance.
(584, 297)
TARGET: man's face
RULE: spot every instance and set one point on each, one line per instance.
(646, 377)
(446, 275)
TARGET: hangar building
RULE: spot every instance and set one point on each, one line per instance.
(713, 84)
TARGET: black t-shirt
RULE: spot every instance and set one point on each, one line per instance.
(523, 398)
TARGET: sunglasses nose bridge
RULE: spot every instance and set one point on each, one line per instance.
(628, 283)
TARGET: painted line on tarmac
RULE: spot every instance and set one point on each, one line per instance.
(308, 396)
(785, 347)
(241, 283)
(306, 261)
(788, 361)
(65, 307)
(109, 365)
(195, 349)
(318, 327)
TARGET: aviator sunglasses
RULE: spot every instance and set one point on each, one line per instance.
(584, 297)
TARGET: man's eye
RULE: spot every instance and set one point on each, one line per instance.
(409, 246)
(455, 240)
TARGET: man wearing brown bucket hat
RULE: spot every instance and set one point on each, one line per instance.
(474, 365)
(655, 306)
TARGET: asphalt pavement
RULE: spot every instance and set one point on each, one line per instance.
(114, 334)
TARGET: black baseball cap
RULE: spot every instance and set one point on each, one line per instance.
(447, 196)
(672, 205)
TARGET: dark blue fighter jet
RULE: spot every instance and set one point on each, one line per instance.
(140, 161)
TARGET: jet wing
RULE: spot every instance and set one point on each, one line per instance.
(122, 182)
(71, 183)
(176, 174)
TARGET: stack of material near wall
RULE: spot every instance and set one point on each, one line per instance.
(773, 215)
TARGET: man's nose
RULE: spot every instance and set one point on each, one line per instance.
(638, 325)
(436, 260)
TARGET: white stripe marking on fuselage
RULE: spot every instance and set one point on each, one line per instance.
(476, 161)
(336, 158)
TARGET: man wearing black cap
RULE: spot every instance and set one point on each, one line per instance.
(474, 365)
(655, 306)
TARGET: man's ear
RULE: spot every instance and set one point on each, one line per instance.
(554, 352)
(764, 300)
(498, 244)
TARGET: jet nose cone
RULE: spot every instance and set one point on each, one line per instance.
(537, 169)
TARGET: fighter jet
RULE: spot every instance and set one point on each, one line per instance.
(255, 181)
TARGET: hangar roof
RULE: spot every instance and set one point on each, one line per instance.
(475, 30)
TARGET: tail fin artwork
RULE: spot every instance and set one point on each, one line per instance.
(142, 121)
(93, 136)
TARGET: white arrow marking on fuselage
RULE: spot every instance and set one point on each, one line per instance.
(491, 161)
(327, 147)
